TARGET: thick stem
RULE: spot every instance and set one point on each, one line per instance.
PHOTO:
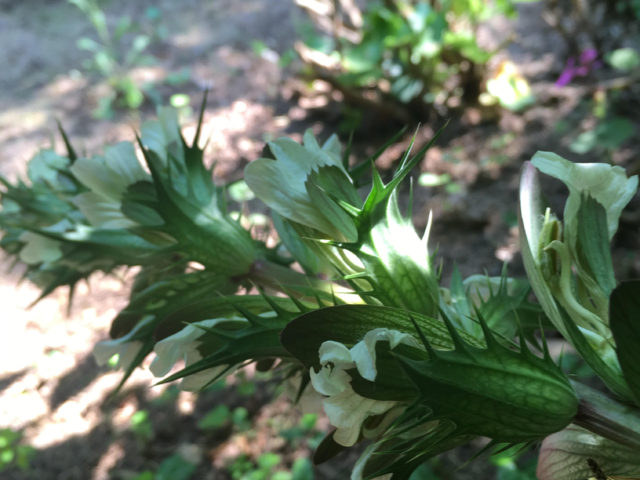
(283, 279)
(607, 417)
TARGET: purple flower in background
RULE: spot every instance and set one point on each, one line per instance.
(587, 62)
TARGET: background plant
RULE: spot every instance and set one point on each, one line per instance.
(403, 59)
(115, 52)
(12, 451)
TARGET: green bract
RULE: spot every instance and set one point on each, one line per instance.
(107, 179)
(607, 184)
(509, 396)
(306, 184)
(568, 263)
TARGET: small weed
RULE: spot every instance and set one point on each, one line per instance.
(216, 418)
(141, 426)
(108, 61)
(12, 452)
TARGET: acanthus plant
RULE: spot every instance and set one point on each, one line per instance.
(350, 305)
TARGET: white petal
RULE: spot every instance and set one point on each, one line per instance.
(335, 353)
(182, 344)
(103, 351)
(347, 411)
(128, 354)
(363, 353)
(126, 351)
(330, 381)
(106, 349)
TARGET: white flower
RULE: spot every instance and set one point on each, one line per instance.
(126, 352)
(184, 345)
(347, 410)
(125, 347)
(364, 352)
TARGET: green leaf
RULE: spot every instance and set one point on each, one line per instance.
(624, 59)
(162, 136)
(89, 44)
(624, 314)
(615, 131)
(500, 301)
(223, 341)
(216, 418)
(302, 469)
(424, 472)
(141, 425)
(194, 214)
(45, 167)
(268, 460)
(111, 174)
(175, 467)
(379, 194)
(146, 475)
(609, 134)
(460, 303)
(292, 240)
(585, 142)
(240, 192)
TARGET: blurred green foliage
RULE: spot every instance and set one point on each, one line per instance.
(116, 51)
(140, 425)
(268, 466)
(612, 124)
(12, 451)
(174, 467)
(414, 53)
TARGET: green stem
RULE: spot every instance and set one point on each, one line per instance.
(605, 416)
(290, 282)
